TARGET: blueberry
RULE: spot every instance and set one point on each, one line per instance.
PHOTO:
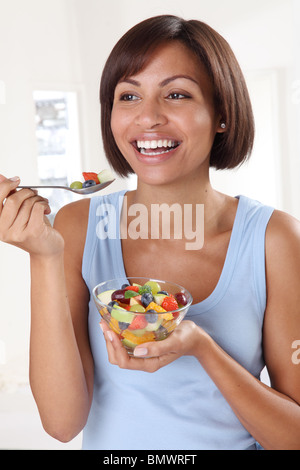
(163, 292)
(123, 325)
(88, 183)
(161, 333)
(151, 316)
(124, 285)
(146, 299)
(111, 304)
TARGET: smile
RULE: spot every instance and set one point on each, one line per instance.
(156, 147)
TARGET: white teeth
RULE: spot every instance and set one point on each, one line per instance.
(144, 152)
(153, 144)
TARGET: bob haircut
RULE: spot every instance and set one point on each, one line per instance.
(231, 98)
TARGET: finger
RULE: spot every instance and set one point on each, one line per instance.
(37, 220)
(156, 348)
(117, 354)
(13, 204)
(26, 227)
(108, 337)
(14, 178)
(7, 185)
(181, 341)
(26, 210)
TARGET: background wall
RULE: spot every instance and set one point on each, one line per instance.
(62, 45)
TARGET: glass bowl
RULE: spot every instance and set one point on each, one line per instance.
(141, 309)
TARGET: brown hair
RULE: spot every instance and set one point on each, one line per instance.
(130, 55)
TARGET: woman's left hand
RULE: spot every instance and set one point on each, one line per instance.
(186, 340)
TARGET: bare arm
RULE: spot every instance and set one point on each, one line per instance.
(57, 376)
(270, 414)
(61, 367)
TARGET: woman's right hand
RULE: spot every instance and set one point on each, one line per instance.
(23, 222)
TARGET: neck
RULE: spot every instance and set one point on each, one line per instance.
(194, 198)
(197, 189)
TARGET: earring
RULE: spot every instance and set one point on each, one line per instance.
(223, 125)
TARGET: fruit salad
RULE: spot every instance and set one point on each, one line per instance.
(92, 178)
(142, 312)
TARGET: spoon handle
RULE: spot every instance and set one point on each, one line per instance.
(82, 191)
(55, 187)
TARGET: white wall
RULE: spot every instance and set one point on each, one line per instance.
(293, 107)
(62, 44)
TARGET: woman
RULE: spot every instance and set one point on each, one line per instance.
(174, 86)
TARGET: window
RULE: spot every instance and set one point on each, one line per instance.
(58, 146)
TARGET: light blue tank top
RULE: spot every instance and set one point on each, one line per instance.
(179, 406)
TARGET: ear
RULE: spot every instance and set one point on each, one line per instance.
(221, 127)
(220, 123)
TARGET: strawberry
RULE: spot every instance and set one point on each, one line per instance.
(169, 303)
(90, 176)
(138, 323)
(134, 288)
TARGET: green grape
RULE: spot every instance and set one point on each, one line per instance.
(76, 185)
(155, 287)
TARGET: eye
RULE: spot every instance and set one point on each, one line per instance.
(128, 97)
(178, 96)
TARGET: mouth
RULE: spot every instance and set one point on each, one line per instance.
(155, 147)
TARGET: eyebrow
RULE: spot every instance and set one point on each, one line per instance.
(165, 82)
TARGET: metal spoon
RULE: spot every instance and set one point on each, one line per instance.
(83, 191)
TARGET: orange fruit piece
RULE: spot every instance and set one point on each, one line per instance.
(114, 324)
(156, 307)
(160, 310)
(138, 339)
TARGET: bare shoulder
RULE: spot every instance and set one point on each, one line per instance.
(72, 219)
(70, 213)
(283, 241)
(282, 223)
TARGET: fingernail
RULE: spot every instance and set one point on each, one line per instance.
(140, 351)
(109, 335)
(15, 178)
(101, 326)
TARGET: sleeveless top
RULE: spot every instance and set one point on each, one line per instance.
(179, 406)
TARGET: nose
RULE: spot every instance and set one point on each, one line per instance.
(150, 114)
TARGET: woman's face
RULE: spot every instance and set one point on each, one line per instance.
(163, 118)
